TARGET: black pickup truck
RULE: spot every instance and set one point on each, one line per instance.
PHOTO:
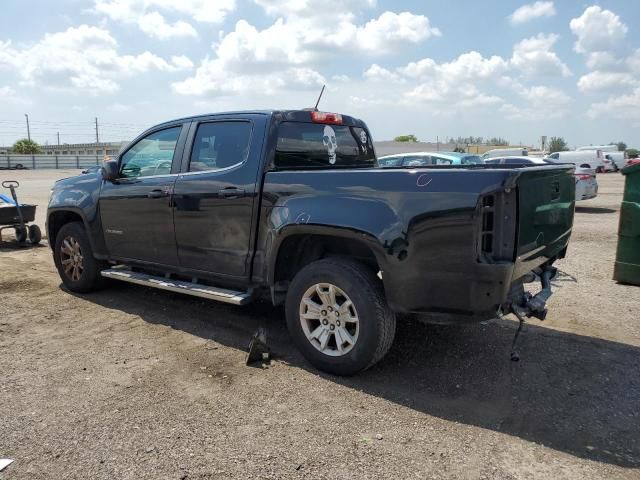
(291, 205)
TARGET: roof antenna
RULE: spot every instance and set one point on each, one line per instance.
(315, 109)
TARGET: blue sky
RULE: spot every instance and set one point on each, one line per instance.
(513, 69)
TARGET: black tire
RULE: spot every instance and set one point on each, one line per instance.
(88, 278)
(377, 323)
(35, 235)
(21, 234)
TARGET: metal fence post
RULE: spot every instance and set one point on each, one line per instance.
(77, 161)
(8, 161)
(56, 162)
(33, 161)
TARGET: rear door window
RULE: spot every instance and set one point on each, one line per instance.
(220, 145)
(315, 145)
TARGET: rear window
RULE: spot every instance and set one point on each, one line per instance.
(315, 145)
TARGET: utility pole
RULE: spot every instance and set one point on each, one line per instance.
(58, 138)
(28, 130)
(97, 136)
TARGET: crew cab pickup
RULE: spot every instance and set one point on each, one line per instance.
(291, 205)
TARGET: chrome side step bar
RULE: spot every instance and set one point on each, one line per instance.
(188, 288)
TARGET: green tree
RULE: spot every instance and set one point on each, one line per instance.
(621, 146)
(405, 138)
(557, 144)
(26, 147)
(633, 153)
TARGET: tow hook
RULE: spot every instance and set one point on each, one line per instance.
(532, 305)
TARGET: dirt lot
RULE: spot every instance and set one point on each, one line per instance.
(135, 383)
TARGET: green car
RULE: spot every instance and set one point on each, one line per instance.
(426, 159)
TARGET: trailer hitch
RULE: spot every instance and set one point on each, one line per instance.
(532, 305)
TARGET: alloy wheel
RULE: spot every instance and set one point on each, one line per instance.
(329, 319)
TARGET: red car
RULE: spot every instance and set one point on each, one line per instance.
(632, 161)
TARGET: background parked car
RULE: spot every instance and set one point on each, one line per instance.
(516, 160)
(425, 159)
(586, 182)
(505, 152)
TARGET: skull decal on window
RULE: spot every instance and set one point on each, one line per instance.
(329, 140)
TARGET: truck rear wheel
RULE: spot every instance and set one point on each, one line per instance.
(338, 316)
(73, 256)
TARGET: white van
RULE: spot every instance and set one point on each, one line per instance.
(603, 148)
(505, 152)
(616, 160)
(580, 158)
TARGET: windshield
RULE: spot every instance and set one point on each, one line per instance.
(315, 145)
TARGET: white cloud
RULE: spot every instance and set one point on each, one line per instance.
(7, 92)
(467, 66)
(286, 53)
(182, 62)
(598, 30)
(390, 29)
(340, 78)
(377, 73)
(535, 57)
(146, 14)
(633, 62)
(211, 78)
(597, 81)
(541, 102)
(531, 11)
(342, 9)
(154, 25)
(456, 82)
(602, 60)
(80, 58)
(625, 107)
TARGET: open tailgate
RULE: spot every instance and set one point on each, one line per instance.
(546, 200)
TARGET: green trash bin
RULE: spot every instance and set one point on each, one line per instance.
(627, 268)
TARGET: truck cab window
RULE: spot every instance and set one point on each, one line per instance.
(220, 145)
(152, 155)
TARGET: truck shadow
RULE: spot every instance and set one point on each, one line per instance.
(594, 210)
(572, 393)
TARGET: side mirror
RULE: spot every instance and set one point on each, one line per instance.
(110, 170)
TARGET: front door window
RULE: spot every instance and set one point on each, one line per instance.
(152, 155)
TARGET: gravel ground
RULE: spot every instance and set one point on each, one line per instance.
(134, 383)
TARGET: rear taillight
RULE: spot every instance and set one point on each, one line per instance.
(583, 177)
(325, 117)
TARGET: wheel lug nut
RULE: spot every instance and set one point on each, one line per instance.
(338, 322)
(324, 312)
(332, 327)
(325, 321)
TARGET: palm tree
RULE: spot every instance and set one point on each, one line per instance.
(26, 147)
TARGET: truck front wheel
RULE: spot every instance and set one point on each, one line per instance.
(338, 316)
(73, 256)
